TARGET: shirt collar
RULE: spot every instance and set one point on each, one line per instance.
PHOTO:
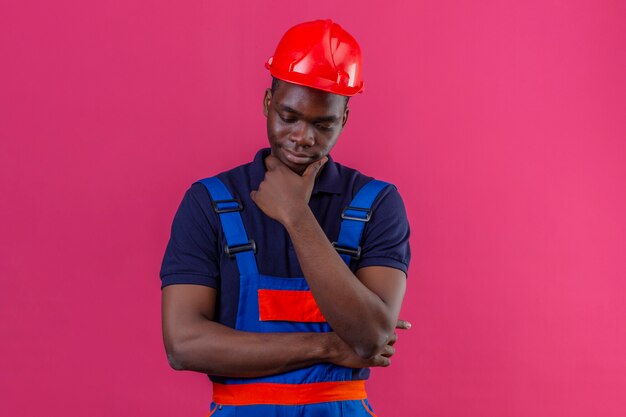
(328, 180)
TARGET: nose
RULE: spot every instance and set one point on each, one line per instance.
(302, 135)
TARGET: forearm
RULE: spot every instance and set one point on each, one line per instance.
(215, 349)
(356, 314)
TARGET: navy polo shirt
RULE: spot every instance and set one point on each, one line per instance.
(195, 252)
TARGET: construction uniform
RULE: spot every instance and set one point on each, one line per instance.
(221, 239)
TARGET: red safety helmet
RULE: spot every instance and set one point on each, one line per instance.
(319, 54)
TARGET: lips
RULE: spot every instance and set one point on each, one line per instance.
(297, 158)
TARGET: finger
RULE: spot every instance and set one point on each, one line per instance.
(403, 324)
(393, 339)
(312, 169)
(388, 351)
(381, 361)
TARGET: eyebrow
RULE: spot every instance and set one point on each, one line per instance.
(288, 109)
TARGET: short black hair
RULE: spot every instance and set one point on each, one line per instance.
(276, 81)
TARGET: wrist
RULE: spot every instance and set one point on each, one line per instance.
(296, 217)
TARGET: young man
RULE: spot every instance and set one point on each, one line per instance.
(283, 321)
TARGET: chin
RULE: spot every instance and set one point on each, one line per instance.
(298, 169)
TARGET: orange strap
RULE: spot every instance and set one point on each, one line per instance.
(289, 305)
(288, 394)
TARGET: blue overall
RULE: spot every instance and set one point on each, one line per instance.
(241, 247)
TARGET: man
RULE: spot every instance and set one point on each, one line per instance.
(282, 320)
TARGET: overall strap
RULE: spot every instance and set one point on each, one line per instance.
(228, 209)
(354, 217)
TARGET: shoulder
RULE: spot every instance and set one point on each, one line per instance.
(385, 240)
(238, 181)
(234, 179)
(388, 197)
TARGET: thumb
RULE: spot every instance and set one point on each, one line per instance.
(313, 169)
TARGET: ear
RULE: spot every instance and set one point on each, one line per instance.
(344, 120)
(267, 98)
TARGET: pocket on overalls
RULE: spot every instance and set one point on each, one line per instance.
(368, 408)
(212, 409)
(288, 305)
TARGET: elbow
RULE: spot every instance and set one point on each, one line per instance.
(373, 342)
(175, 362)
(176, 357)
(184, 356)
(366, 351)
(368, 348)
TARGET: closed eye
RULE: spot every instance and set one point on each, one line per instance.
(324, 127)
(287, 119)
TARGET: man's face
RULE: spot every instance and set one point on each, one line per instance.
(303, 124)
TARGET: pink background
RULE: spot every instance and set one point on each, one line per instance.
(502, 124)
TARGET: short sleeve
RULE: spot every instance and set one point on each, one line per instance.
(385, 240)
(192, 256)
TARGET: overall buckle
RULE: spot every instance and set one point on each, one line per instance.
(231, 251)
(229, 208)
(354, 253)
(368, 214)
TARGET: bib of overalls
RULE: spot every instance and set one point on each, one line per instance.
(285, 304)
